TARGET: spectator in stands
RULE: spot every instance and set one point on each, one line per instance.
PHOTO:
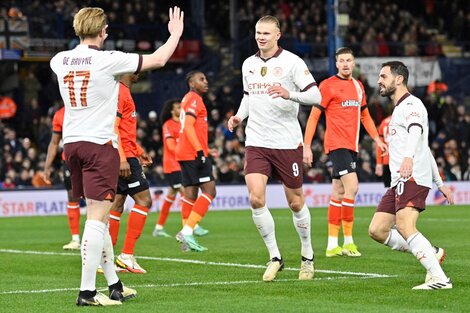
(152, 121)
(30, 86)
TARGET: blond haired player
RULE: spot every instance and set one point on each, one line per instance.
(275, 82)
(88, 80)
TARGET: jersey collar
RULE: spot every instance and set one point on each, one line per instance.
(339, 77)
(278, 52)
(402, 98)
(82, 46)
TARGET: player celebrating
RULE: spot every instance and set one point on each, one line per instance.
(275, 81)
(132, 180)
(170, 118)
(344, 104)
(73, 204)
(411, 167)
(191, 152)
(89, 86)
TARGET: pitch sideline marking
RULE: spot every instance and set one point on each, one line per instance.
(241, 282)
(361, 274)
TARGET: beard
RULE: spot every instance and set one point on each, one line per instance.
(388, 91)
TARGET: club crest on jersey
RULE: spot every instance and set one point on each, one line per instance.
(264, 70)
(277, 71)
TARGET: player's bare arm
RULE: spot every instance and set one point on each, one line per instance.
(379, 170)
(163, 54)
(51, 153)
(448, 193)
(145, 159)
(124, 169)
(233, 122)
(278, 91)
(406, 168)
(382, 146)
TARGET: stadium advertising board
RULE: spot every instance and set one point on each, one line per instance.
(54, 202)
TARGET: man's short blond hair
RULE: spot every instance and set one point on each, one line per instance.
(88, 22)
(270, 19)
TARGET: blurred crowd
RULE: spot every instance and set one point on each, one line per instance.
(376, 28)
(24, 138)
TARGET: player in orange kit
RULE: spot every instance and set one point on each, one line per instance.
(191, 152)
(73, 204)
(170, 118)
(132, 180)
(344, 104)
(382, 168)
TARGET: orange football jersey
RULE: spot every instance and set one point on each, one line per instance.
(340, 101)
(170, 129)
(383, 132)
(128, 124)
(192, 104)
(58, 124)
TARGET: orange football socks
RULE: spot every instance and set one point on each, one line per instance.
(114, 223)
(73, 214)
(167, 203)
(186, 208)
(347, 218)
(201, 206)
(135, 225)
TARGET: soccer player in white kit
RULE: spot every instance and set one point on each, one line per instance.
(275, 81)
(89, 85)
(412, 167)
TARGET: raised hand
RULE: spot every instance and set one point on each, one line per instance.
(176, 23)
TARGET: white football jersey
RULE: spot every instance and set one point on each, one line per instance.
(273, 123)
(409, 111)
(88, 81)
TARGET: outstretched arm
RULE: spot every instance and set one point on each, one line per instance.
(163, 54)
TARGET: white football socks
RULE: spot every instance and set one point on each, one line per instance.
(424, 252)
(265, 223)
(91, 249)
(396, 241)
(302, 225)
(107, 259)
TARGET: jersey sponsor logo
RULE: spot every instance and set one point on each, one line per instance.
(412, 114)
(134, 114)
(350, 103)
(277, 71)
(259, 86)
(264, 70)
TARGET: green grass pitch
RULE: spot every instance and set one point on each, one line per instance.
(38, 276)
